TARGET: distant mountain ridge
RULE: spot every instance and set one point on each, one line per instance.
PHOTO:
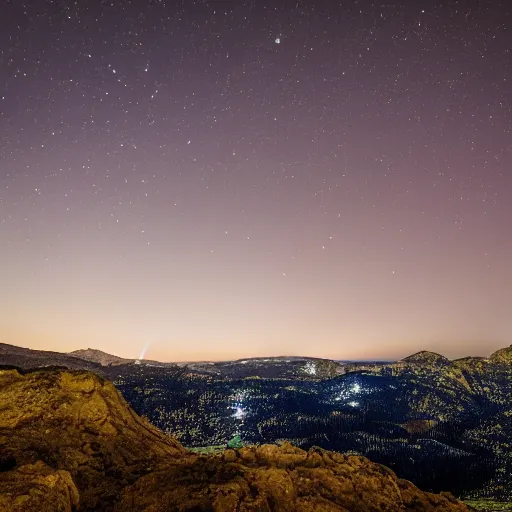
(11, 355)
(100, 357)
(106, 364)
(427, 357)
(280, 367)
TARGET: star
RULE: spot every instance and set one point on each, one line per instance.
(343, 143)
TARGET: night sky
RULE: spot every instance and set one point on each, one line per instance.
(224, 179)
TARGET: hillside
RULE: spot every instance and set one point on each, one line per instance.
(69, 441)
(100, 357)
(11, 355)
(503, 355)
(426, 357)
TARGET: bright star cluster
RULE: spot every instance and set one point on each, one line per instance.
(237, 179)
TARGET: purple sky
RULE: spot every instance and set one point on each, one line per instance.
(230, 179)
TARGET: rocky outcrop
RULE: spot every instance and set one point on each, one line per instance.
(69, 441)
(38, 487)
(281, 479)
(78, 422)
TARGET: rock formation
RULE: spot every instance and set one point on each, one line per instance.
(38, 487)
(281, 479)
(69, 441)
(78, 422)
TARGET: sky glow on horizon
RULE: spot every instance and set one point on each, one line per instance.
(188, 181)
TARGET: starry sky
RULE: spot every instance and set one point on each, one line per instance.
(225, 179)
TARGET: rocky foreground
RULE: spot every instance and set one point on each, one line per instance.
(69, 441)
